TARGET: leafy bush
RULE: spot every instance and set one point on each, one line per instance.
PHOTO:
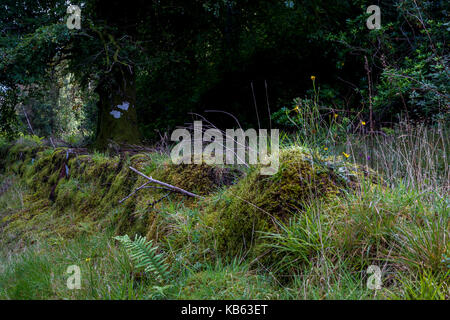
(406, 61)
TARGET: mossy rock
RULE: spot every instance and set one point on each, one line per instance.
(256, 202)
(90, 194)
(202, 179)
(21, 153)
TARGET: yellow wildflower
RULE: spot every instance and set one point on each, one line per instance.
(335, 115)
(325, 148)
(88, 259)
(346, 154)
(296, 109)
(363, 123)
(313, 78)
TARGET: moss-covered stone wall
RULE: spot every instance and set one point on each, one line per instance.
(72, 191)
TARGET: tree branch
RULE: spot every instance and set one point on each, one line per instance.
(173, 188)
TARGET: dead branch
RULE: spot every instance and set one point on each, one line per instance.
(159, 200)
(173, 188)
(135, 190)
(144, 186)
(162, 188)
(28, 121)
(51, 141)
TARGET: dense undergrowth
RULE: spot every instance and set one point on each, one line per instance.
(309, 232)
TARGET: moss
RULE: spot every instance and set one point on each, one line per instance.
(28, 223)
(202, 179)
(4, 148)
(66, 193)
(254, 204)
(95, 184)
(21, 153)
(77, 198)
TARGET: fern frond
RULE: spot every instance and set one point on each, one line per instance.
(144, 255)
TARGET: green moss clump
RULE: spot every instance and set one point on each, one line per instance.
(202, 179)
(256, 202)
(66, 192)
(22, 153)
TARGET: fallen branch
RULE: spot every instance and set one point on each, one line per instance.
(135, 190)
(159, 200)
(144, 186)
(28, 121)
(51, 141)
(173, 188)
(162, 188)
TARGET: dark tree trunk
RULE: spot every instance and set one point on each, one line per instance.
(117, 120)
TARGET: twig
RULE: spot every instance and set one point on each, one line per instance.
(256, 106)
(221, 144)
(268, 106)
(166, 184)
(154, 187)
(28, 121)
(135, 190)
(369, 82)
(144, 186)
(159, 200)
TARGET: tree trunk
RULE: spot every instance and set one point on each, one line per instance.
(117, 119)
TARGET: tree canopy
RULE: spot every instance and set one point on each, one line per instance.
(169, 58)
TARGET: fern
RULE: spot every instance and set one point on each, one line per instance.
(143, 254)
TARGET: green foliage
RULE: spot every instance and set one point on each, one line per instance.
(427, 287)
(407, 57)
(446, 261)
(423, 245)
(59, 107)
(295, 235)
(40, 271)
(231, 50)
(227, 281)
(4, 146)
(33, 273)
(27, 58)
(299, 240)
(9, 124)
(145, 256)
(315, 125)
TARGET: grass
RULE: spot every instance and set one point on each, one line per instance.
(40, 272)
(400, 224)
(423, 286)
